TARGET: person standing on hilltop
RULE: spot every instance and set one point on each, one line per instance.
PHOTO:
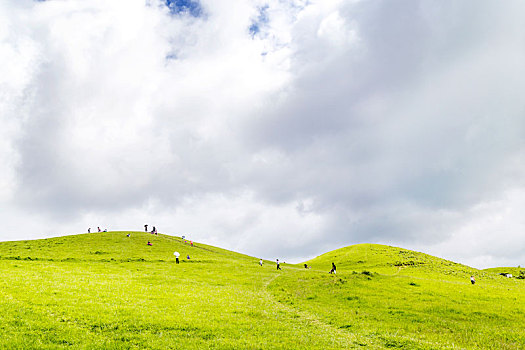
(146, 228)
(98, 228)
(89, 230)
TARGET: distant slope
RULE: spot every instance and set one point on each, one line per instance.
(398, 298)
(386, 259)
(104, 246)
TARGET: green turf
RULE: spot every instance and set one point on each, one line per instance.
(109, 291)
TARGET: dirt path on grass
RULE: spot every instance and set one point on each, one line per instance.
(344, 339)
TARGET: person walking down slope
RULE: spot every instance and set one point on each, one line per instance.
(278, 265)
(472, 280)
(333, 268)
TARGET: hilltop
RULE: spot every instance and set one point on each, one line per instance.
(115, 245)
(109, 291)
(389, 260)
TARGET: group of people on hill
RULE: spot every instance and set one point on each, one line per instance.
(98, 229)
(153, 230)
(333, 270)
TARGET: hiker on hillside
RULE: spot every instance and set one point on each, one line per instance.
(146, 228)
(188, 257)
(89, 230)
(260, 262)
(176, 257)
(472, 280)
(306, 266)
(278, 265)
(333, 268)
(149, 243)
(98, 228)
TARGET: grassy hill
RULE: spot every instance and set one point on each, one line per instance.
(389, 260)
(109, 291)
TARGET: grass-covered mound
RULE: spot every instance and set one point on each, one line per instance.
(111, 246)
(109, 291)
(405, 299)
(389, 260)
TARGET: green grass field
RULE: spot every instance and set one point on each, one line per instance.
(109, 291)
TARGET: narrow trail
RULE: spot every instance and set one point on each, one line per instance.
(345, 339)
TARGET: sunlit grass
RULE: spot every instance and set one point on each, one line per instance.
(109, 291)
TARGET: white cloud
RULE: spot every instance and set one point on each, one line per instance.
(333, 123)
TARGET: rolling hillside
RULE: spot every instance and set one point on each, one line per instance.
(390, 260)
(109, 291)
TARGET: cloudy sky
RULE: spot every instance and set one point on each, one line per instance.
(277, 128)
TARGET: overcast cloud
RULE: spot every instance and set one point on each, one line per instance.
(274, 128)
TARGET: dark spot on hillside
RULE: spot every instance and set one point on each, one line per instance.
(408, 263)
(400, 344)
(396, 312)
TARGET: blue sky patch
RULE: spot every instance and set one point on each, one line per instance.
(190, 7)
(261, 20)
